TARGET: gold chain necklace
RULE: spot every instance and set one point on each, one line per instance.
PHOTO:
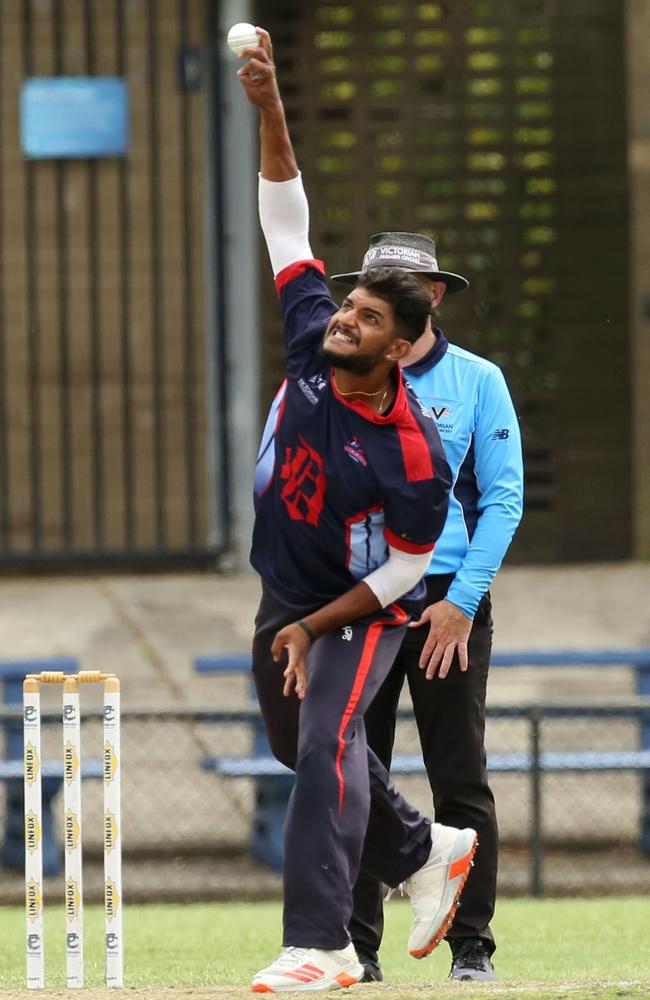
(358, 392)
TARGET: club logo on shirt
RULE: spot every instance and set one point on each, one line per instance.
(304, 490)
(355, 451)
(346, 633)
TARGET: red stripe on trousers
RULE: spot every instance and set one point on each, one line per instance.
(365, 662)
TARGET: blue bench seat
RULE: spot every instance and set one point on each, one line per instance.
(13, 769)
(273, 782)
(515, 761)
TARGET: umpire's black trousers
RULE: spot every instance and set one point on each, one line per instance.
(450, 716)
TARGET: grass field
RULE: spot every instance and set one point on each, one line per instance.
(550, 950)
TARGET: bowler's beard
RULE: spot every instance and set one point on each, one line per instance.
(358, 364)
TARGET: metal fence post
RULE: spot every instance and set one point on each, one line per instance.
(536, 835)
(643, 689)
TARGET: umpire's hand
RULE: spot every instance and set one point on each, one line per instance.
(449, 631)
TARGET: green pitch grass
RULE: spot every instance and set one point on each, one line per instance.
(548, 950)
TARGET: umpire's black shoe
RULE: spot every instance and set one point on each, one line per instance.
(371, 968)
(470, 960)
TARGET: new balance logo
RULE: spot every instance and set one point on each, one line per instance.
(347, 633)
(501, 434)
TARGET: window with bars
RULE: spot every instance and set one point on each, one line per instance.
(473, 122)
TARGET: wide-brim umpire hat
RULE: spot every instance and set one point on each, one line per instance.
(410, 251)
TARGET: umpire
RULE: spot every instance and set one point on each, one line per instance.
(446, 664)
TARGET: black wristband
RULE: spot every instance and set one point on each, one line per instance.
(306, 629)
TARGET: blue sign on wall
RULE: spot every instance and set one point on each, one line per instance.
(74, 116)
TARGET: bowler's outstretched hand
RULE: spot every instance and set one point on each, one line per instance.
(258, 75)
(449, 631)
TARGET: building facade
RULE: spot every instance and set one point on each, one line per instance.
(139, 332)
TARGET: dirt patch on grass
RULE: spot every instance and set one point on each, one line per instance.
(619, 990)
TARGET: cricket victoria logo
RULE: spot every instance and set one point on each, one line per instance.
(34, 943)
(314, 384)
(112, 941)
(69, 713)
(72, 941)
(346, 633)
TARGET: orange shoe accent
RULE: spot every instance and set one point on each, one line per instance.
(261, 988)
(346, 980)
(459, 866)
(449, 919)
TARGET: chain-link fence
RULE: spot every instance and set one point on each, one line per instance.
(565, 827)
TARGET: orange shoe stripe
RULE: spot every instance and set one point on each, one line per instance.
(446, 924)
(460, 866)
(261, 988)
(345, 980)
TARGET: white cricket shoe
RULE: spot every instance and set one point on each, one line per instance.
(297, 970)
(435, 889)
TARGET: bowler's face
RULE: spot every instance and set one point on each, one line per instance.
(363, 327)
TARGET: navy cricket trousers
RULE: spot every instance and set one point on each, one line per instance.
(343, 812)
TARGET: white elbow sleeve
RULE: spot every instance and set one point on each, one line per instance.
(284, 217)
(398, 575)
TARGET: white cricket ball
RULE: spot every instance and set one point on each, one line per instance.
(241, 36)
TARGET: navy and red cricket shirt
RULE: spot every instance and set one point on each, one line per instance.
(335, 482)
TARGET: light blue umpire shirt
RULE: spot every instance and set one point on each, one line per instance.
(479, 429)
